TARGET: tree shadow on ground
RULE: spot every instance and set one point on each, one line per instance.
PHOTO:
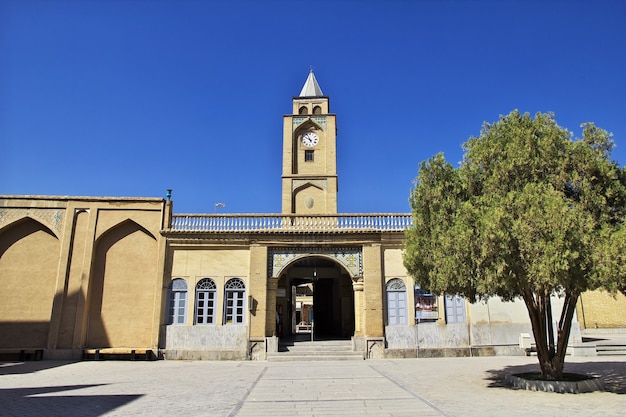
(613, 374)
(43, 401)
(16, 368)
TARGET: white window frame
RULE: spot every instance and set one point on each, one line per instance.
(235, 302)
(206, 302)
(455, 309)
(397, 311)
(177, 302)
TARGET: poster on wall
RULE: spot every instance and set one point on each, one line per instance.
(425, 305)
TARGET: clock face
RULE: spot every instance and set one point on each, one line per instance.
(309, 139)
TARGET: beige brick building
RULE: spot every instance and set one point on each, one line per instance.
(116, 275)
(78, 272)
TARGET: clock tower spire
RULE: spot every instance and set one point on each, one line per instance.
(309, 154)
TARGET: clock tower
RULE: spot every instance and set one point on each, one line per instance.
(310, 154)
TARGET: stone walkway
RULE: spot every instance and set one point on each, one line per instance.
(403, 387)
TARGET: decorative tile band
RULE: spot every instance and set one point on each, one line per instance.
(51, 218)
(320, 121)
(351, 258)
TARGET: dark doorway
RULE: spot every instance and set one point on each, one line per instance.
(333, 307)
(323, 311)
(318, 298)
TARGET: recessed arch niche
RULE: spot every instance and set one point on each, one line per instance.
(122, 289)
(29, 253)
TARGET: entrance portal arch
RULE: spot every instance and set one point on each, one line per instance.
(315, 294)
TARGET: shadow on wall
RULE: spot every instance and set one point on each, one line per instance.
(119, 308)
(29, 256)
(23, 334)
(122, 291)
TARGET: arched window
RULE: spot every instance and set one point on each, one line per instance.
(234, 301)
(206, 298)
(396, 302)
(303, 110)
(177, 302)
(317, 110)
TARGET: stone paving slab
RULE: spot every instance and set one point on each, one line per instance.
(402, 387)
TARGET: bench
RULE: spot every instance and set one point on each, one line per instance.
(23, 353)
(526, 344)
(303, 327)
(133, 353)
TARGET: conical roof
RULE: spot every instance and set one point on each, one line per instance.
(311, 87)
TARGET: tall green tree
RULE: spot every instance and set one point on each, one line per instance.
(530, 213)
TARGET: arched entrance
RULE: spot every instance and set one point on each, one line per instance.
(315, 299)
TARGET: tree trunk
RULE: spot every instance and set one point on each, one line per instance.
(551, 358)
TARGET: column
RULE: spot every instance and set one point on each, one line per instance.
(357, 287)
(259, 291)
(373, 289)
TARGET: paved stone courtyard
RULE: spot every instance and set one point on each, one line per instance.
(404, 387)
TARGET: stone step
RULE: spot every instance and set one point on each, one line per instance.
(282, 357)
(314, 350)
(612, 349)
(303, 351)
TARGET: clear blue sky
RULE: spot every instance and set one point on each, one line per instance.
(130, 98)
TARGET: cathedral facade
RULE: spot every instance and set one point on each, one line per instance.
(118, 275)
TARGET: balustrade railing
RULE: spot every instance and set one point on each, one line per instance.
(289, 222)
